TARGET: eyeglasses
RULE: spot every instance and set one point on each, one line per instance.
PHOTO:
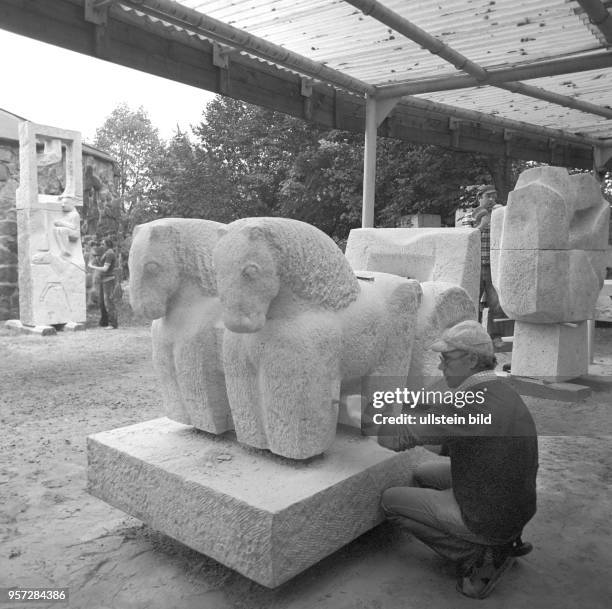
(445, 358)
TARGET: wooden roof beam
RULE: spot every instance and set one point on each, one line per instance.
(413, 32)
(482, 118)
(599, 16)
(527, 71)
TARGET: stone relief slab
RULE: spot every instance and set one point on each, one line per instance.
(51, 264)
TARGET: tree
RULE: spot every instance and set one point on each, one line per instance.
(249, 161)
(134, 142)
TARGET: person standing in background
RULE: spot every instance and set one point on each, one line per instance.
(108, 285)
(487, 200)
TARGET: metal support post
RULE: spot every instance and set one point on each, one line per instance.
(369, 163)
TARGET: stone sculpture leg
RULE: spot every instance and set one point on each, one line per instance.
(163, 362)
(186, 358)
(201, 382)
(300, 412)
(242, 391)
(274, 405)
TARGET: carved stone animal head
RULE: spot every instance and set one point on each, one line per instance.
(247, 278)
(256, 258)
(165, 254)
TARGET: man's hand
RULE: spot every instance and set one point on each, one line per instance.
(396, 437)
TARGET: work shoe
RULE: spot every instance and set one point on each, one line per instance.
(520, 548)
(481, 581)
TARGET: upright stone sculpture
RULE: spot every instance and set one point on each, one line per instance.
(172, 283)
(51, 265)
(451, 255)
(300, 323)
(548, 256)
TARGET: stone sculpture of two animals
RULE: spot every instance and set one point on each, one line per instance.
(259, 323)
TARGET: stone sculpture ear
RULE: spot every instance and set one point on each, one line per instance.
(256, 232)
(156, 232)
(222, 230)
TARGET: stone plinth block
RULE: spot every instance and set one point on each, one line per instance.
(551, 352)
(267, 517)
(15, 324)
(425, 254)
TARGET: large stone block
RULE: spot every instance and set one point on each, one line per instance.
(267, 517)
(51, 265)
(551, 352)
(548, 246)
(536, 217)
(450, 255)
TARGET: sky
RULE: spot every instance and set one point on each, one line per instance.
(52, 86)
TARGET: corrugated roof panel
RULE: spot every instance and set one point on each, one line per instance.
(491, 33)
(506, 104)
(336, 33)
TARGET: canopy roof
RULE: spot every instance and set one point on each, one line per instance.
(528, 78)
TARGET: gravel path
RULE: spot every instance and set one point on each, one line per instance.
(57, 390)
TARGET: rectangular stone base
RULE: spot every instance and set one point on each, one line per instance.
(73, 326)
(18, 326)
(550, 352)
(15, 324)
(265, 516)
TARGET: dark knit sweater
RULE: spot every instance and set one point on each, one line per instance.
(494, 466)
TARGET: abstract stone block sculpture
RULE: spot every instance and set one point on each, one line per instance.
(301, 322)
(548, 255)
(51, 265)
(172, 282)
(548, 246)
(451, 255)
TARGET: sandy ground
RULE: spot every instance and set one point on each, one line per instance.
(57, 390)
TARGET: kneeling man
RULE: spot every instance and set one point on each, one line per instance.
(471, 507)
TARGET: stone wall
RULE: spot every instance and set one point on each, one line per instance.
(99, 214)
(9, 180)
